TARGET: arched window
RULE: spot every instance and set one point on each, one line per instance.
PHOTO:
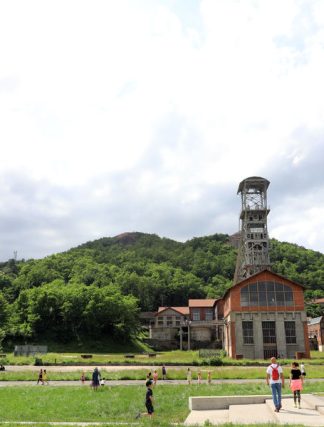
(266, 294)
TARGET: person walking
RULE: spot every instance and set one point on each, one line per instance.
(296, 383)
(45, 378)
(276, 380)
(189, 376)
(302, 369)
(164, 373)
(83, 378)
(40, 377)
(199, 377)
(155, 377)
(209, 377)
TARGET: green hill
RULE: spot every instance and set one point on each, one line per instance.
(100, 287)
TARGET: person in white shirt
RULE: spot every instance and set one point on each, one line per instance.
(302, 369)
(276, 380)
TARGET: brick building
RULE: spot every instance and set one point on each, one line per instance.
(316, 332)
(264, 316)
(198, 325)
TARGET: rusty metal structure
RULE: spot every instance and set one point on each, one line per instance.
(253, 252)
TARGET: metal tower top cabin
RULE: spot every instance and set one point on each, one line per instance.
(253, 251)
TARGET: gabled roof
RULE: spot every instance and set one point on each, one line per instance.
(315, 320)
(181, 310)
(258, 274)
(202, 302)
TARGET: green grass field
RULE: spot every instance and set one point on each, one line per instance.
(141, 358)
(112, 404)
(218, 373)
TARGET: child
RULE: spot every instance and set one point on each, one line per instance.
(83, 377)
(209, 377)
(148, 401)
(189, 376)
(155, 377)
(296, 382)
(45, 379)
(40, 377)
(149, 376)
(199, 377)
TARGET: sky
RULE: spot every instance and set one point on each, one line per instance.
(145, 115)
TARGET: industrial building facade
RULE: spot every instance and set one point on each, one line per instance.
(264, 316)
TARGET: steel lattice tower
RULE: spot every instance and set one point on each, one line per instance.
(253, 251)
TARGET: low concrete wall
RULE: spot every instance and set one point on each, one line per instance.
(205, 403)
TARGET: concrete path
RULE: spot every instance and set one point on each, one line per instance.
(139, 382)
(310, 414)
(68, 423)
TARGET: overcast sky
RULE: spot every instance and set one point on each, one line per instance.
(144, 115)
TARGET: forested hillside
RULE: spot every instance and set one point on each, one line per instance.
(102, 285)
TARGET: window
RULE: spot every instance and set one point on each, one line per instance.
(209, 314)
(266, 294)
(178, 320)
(290, 330)
(169, 321)
(160, 321)
(196, 314)
(269, 332)
(247, 327)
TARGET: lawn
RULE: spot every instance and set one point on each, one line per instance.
(113, 404)
(142, 358)
(217, 372)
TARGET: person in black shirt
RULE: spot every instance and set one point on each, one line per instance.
(148, 400)
(164, 372)
(95, 379)
(296, 383)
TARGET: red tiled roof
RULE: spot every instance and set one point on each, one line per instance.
(182, 310)
(319, 301)
(202, 302)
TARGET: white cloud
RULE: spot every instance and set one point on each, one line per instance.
(108, 100)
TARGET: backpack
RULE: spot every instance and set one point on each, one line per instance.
(275, 373)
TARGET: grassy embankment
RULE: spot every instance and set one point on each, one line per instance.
(113, 404)
(142, 358)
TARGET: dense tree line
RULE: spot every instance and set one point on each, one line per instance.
(102, 285)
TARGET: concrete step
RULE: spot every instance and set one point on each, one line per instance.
(288, 414)
(215, 417)
(250, 414)
(263, 413)
(314, 402)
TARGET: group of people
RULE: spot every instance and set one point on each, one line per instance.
(155, 376)
(199, 377)
(42, 377)
(96, 379)
(276, 380)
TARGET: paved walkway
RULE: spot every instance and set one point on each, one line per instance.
(72, 423)
(310, 414)
(139, 382)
